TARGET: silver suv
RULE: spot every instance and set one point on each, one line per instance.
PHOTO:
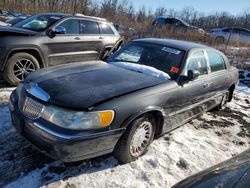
(236, 35)
(50, 39)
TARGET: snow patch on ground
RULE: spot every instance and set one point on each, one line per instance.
(199, 144)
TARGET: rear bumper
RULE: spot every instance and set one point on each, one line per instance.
(63, 146)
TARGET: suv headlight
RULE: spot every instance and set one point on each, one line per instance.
(75, 120)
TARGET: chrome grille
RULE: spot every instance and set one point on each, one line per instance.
(32, 109)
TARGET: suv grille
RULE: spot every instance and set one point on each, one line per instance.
(32, 109)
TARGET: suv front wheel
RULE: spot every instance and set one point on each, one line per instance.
(19, 66)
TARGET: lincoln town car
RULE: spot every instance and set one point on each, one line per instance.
(149, 87)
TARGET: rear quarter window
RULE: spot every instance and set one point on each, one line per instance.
(89, 27)
(105, 29)
(216, 61)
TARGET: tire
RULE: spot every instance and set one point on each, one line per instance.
(136, 139)
(19, 66)
(223, 103)
(220, 40)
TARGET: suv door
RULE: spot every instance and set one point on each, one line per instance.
(193, 95)
(244, 36)
(235, 36)
(92, 41)
(66, 48)
(107, 35)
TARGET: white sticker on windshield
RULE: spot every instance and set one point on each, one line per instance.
(171, 50)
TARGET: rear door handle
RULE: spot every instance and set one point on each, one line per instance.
(100, 37)
(77, 38)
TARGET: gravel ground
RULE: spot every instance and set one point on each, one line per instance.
(201, 143)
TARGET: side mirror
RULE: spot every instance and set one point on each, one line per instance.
(59, 30)
(193, 74)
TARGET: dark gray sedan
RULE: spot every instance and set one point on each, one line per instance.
(148, 88)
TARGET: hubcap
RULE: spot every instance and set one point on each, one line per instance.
(23, 67)
(141, 138)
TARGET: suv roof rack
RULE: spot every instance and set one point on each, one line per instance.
(82, 15)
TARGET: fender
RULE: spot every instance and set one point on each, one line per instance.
(120, 41)
(23, 49)
(112, 48)
(146, 110)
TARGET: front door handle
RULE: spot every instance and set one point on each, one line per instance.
(100, 37)
(77, 38)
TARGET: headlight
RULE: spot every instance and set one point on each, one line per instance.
(70, 119)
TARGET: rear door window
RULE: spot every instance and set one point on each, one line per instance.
(160, 21)
(89, 27)
(71, 26)
(227, 30)
(105, 29)
(216, 61)
(169, 21)
(245, 32)
(197, 62)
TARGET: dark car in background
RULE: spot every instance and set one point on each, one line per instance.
(50, 39)
(231, 34)
(233, 173)
(147, 88)
(176, 23)
(14, 21)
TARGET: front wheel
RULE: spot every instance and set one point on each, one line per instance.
(19, 66)
(136, 139)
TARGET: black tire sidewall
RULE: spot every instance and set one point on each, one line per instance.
(8, 71)
(122, 150)
(138, 122)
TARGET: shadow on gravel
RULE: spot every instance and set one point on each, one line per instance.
(229, 114)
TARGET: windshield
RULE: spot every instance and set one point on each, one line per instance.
(162, 58)
(38, 22)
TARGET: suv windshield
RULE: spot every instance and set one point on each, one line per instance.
(163, 58)
(38, 22)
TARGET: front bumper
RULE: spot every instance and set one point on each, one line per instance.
(63, 146)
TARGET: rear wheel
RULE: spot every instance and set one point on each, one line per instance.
(19, 66)
(223, 103)
(136, 139)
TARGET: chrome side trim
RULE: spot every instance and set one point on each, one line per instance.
(36, 91)
(73, 53)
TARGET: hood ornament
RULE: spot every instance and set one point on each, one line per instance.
(36, 91)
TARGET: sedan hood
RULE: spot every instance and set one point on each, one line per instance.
(14, 31)
(82, 85)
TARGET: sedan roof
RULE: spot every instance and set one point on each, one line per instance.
(178, 44)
